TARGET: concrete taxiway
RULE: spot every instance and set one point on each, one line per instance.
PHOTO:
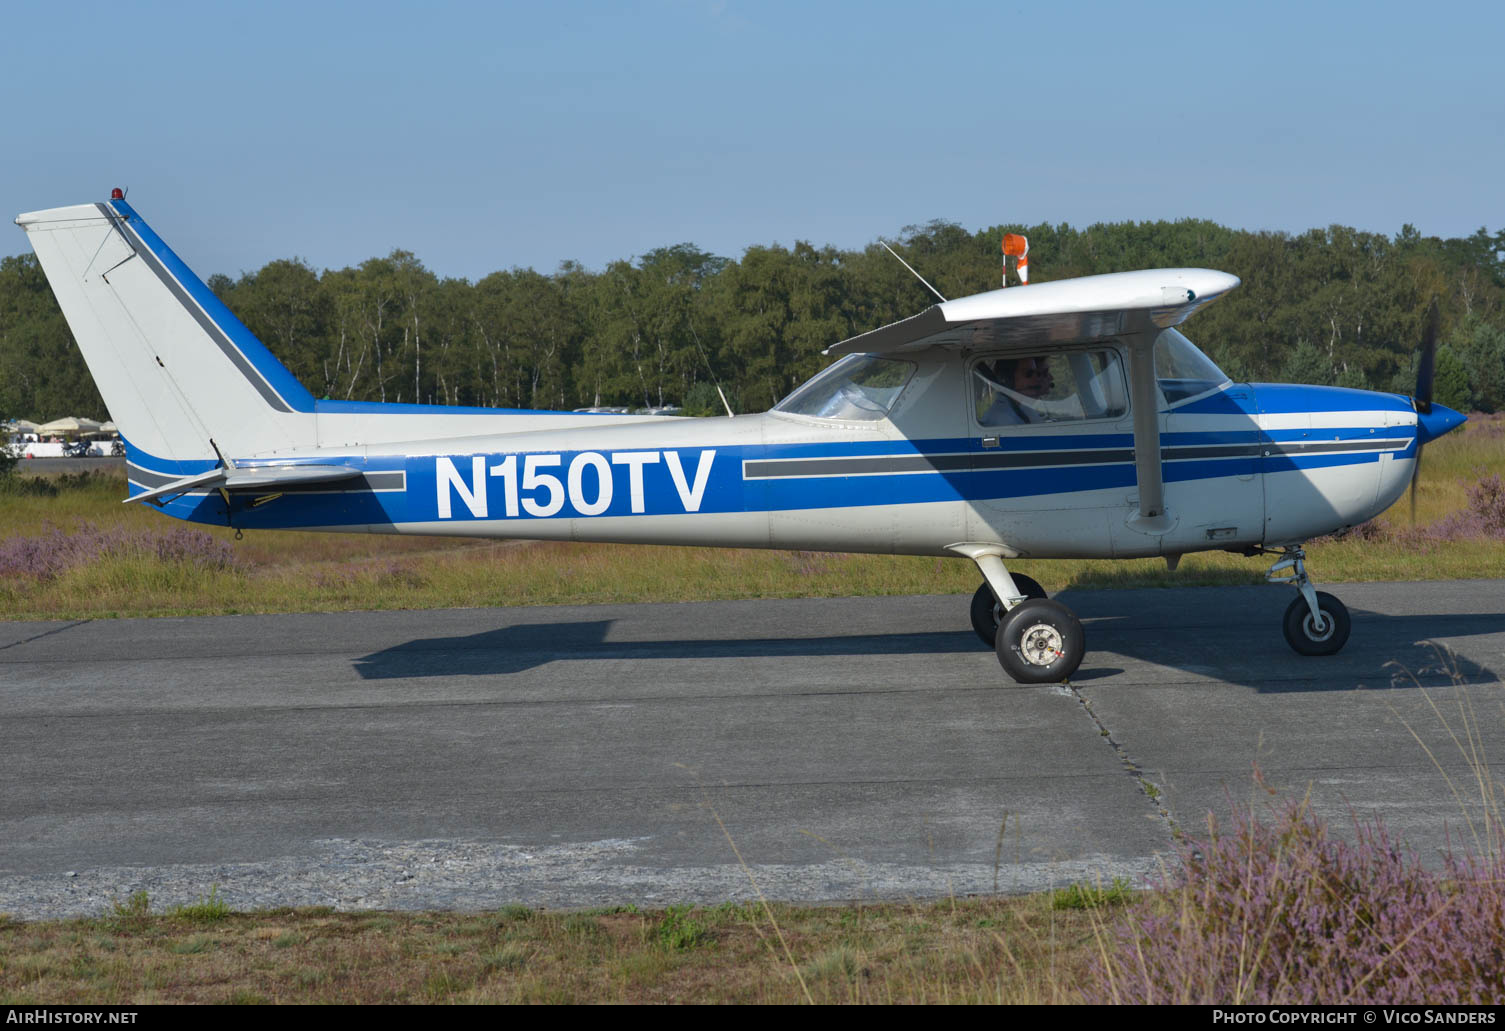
(817, 749)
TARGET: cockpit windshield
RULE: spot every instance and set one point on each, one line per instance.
(859, 388)
(1183, 371)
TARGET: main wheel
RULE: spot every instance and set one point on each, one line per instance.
(1040, 642)
(986, 609)
(1306, 637)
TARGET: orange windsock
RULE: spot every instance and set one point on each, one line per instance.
(1016, 246)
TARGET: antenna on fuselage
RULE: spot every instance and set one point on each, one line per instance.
(911, 269)
(716, 382)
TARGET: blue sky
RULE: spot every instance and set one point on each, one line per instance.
(487, 136)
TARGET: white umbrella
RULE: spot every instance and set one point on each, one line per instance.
(69, 424)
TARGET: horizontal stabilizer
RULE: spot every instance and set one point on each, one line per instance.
(255, 478)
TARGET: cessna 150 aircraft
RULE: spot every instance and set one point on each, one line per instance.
(1059, 419)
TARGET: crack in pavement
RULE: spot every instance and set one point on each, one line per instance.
(45, 633)
(1147, 788)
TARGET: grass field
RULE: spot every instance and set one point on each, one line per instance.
(78, 553)
(1021, 950)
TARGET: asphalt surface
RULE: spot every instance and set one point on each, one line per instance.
(53, 466)
(809, 749)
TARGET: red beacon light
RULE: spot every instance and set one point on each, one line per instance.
(117, 194)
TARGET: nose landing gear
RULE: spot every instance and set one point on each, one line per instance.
(1315, 623)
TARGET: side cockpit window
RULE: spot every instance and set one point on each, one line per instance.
(1018, 390)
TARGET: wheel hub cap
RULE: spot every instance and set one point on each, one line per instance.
(1040, 644)
(1319, 633)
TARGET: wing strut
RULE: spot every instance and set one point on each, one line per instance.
(1152, 518)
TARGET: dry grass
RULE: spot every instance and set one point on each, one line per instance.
(282, 571)
(975, 950)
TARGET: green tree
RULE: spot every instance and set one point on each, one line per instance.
(1450, 383)
(1327, 305)
(1308, 364)
(288, 309)
(1481, 346)
(42, 373)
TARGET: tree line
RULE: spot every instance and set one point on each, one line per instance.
(1328, 306)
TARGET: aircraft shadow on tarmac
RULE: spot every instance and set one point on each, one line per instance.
(1384, 651)
(514, 649)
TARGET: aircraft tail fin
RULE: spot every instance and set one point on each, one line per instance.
(175, 367)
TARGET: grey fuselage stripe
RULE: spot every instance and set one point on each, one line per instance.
(216, 334)
(377, 482)
(982, 461)
(1297, 447)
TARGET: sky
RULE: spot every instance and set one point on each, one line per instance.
(486, 136)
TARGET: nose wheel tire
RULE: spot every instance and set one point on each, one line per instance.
(986, 610)
(1306, 636)
(1040, 642)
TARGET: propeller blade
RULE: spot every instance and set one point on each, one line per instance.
(1427, 365)
(1415, 480)
(1425, 368)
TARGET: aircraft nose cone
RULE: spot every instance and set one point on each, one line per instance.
(1438, 421)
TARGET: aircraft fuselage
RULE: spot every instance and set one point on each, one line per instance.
(1245, 465)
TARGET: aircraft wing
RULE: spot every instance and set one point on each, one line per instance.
(259, 477)
(1062, 312)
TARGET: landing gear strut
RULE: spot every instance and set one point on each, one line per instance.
(987, 612)
(1037, 641)
(1315, 623)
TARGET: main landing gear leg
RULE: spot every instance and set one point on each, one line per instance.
(988, 611)
(1315, 623)
(1037, 641)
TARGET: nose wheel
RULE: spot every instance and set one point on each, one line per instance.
(1315, 623)
(1308, 634)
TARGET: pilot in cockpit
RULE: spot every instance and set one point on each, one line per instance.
(1015, 382)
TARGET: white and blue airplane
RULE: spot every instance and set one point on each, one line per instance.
(1060, 419)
